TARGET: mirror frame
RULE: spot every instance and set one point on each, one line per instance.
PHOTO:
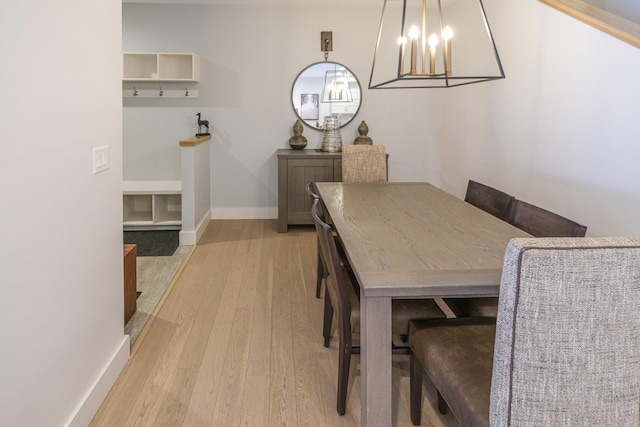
(312, 122)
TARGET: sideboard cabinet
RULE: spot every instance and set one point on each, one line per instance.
(295, 169)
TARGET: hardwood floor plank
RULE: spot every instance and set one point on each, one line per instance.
(238, 342)
(148, 403)
(306, 344)
(255, 408)
(228, 409)
(261, 329)
(209, 381)
(282, 409)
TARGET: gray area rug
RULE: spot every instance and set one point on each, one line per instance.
(153, 242)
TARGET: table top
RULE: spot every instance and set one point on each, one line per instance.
(413, 239)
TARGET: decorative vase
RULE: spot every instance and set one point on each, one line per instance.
(297, 141)
(363, 139)
(331, 137)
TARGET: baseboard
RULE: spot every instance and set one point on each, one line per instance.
(190, 238)
(244, 213)
(98, 391)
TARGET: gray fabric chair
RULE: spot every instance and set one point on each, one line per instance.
(364, 163)
(567, 341)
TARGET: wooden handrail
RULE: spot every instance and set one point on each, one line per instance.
(194, 140)
(610, 23)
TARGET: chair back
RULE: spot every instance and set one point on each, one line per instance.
(567, 346)
(336, 288)
(310, 189)
(541, 223)
(489, 199)
(364, 163)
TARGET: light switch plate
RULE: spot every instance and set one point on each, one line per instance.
(100, 159)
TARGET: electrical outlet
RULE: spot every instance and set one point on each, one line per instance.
(100, 159)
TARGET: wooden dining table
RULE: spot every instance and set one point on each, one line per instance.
(409, 240)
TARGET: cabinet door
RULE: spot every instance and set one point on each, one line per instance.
(299, 172)
(337, 170)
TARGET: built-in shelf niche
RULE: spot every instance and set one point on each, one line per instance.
(161, 67)
(152, 205)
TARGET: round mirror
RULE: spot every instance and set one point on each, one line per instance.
(326, 89)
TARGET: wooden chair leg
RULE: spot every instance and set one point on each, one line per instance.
(415, 389)
(344, 364)
(327, 321)
(320, 274)
(442, 404)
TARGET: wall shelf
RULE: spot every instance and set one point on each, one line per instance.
(161, 67)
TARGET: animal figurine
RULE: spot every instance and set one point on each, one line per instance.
(201, 123)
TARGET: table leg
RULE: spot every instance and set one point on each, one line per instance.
(375, 360)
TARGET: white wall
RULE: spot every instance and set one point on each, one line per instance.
(250, 56)
(561, 130)
(61, 292)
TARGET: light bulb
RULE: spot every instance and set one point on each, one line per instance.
(434, 40)
(414, 33)
(447, 33)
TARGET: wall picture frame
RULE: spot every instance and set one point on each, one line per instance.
(310, 106)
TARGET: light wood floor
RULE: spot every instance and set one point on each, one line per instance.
(238, 342)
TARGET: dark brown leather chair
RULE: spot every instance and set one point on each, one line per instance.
(490, 200)
(341, 295)
(457, 354)
(498, 204)
(541, 223)
(564, 349)
(534, 220)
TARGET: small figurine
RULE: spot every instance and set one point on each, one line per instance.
(201, 123)
(297, 141)
(363, 139)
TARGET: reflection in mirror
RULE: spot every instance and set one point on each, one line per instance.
(326, 89)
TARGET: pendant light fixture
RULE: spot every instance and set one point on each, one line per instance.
(434, 43)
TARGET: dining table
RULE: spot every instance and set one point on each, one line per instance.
(409, 240)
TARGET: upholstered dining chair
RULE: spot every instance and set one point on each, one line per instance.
(541, 223)
(341, 296)
(534, 220)
(489, 199)
(364, 163)
(497, 203)
(564, 349)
